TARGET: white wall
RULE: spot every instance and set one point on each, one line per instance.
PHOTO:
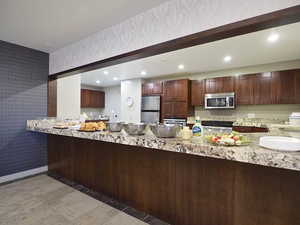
(113, 103)
(68, 97)
(131, 88)
(173, 19)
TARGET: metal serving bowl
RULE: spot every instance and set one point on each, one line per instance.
(134, 128)
(115, 126)
(165, 130)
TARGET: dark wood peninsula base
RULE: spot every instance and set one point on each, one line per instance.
(179, 188)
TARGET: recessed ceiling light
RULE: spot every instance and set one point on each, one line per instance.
(105, 72)
(181, 66)
(115, 78)
(227, 58)
(143, 73)
(98, 81)
(237, 74)
(273, 37)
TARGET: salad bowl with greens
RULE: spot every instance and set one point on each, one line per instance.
(232, 139)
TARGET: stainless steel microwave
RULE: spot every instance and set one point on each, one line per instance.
(220, 101)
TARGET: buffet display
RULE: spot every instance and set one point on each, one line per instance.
(92, 126)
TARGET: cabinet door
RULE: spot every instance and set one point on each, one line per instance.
(146, 90)
(262, 89)
(225, 84)
(198, 91)
(167, 109)
(85, 98)
(169, 90)
(211, 86)
(284, 87)
(157, 88)
(244, 89)
(180, 109)
(181, 90)
(176, 90)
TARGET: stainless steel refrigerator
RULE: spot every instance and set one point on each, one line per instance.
(151, 109)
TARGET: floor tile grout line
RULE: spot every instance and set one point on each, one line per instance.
(110, 201)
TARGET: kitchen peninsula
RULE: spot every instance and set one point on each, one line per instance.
(171, 178)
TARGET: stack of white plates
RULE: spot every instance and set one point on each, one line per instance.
(294, 119)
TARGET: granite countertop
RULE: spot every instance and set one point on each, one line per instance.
(253, 153)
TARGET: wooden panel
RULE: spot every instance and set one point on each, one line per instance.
(52, 98)
(157, 88)
(227, 84)
(152, 88)
(167, 109)
(211, 86)
(197, 92)
(219, 85)
(61, 156)
(179, 188)
(284, 87)
(262, 89)
(266, 196)
(92, 99)
(169, 91)
(176, 90)
(146, 180)
(204, 191)
(244, 87)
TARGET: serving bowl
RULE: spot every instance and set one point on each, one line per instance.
(115, 126)
(134, 128)
(165, 130)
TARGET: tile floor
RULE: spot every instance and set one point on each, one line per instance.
(42, 200)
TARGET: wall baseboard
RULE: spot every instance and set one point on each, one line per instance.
(23, 174)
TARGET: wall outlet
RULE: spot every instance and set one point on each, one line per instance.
(251, 115)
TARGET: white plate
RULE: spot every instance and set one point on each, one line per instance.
(280, 143)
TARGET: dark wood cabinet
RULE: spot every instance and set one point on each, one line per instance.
(92, 99)
(286, 85)
(176, 90)
(176, 99)
(152, 88)
(219, 85)
(244, 88)
(262, 89)
(197, 92)
(174, 109)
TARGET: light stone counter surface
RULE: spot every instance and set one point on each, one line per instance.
(253, 153)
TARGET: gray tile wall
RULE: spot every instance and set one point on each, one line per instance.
(23, 96)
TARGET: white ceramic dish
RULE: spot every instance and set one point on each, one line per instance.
(287, 144)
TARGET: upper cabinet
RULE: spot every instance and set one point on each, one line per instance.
(286, 87)
(176, 90)
(152, 88)
(176, 101)
(219, 85)
(244, 89)
(281, 87)
(92, 99)
(198, 92)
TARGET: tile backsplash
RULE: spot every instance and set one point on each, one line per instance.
(278, 112)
